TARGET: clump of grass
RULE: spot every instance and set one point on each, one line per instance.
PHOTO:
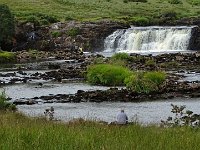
(7, 57)
(107, 74)
(145, 82)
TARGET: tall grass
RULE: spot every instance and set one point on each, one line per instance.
(107, 74)
(145, 82)
(21, 133)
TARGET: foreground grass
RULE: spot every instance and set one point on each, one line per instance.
(19, 133)
(100, 9)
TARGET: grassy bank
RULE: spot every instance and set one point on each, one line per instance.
(125, 10)
(18, 132)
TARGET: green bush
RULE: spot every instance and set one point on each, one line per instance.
(107, 74)
(7, 26)
(4, 105)
(7, 57)
(142, 82)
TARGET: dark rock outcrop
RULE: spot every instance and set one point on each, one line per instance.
(72, 35)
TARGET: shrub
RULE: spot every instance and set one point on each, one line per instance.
(7, 57)
(4, 105)
(107, 74)
(182, 117)
(7, 27)
(145, 82)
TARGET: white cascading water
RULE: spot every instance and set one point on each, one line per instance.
(148, 39)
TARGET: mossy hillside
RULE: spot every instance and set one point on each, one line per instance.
(141, 13)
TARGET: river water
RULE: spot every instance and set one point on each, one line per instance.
(144, 112)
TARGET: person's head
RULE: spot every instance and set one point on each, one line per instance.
(122, 110)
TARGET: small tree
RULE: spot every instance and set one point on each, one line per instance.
(7, 27)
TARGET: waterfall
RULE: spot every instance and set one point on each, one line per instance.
(147, 39)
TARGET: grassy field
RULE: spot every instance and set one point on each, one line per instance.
(20, 133)
(87, 10)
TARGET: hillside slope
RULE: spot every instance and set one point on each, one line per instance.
(90, 10)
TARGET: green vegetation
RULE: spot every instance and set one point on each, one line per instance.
(73, 32)
(41, 19)
(92, 10)
(107, 74)
(33, 53)
(7, 57)
(121, 56)
(112, 74)
(194, 2)
(4, 105)
(145, 82)
(56, 34)
(20, 133)
(182, 117)
(7, 28)
(175, 1)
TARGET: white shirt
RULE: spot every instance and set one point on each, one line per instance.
(122, 118)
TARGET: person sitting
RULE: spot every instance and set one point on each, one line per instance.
(122, 118)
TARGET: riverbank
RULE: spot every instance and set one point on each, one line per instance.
(20, 132)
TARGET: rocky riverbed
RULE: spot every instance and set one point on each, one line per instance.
(178, 66)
